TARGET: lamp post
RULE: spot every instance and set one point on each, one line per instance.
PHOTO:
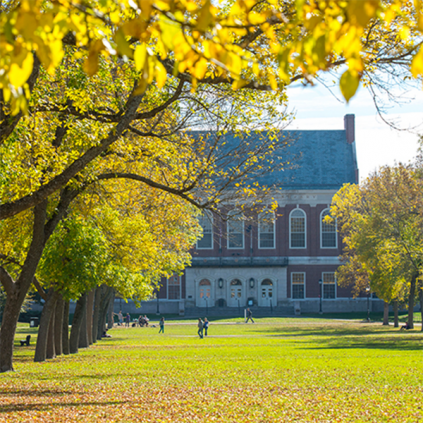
(207, 306)
(368, 303)
(321, 295)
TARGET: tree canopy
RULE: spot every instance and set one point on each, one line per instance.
(381, 222)
(245, 42)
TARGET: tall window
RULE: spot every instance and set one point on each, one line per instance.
(329, 285)
(297, 229)
(205, 289)
(298, 283)
(174, 288)
(235, 230)
(267, 230)
(328, 235)
(206, 222)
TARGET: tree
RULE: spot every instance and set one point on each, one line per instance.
(381, 224)
(236, 42)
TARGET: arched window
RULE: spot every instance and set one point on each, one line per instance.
(235, 230)
(236, 282)
(267, 282)
(206, 222)
(297, 229)
(328, 234)
(266, 230)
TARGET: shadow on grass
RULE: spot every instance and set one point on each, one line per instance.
(41, 407)
(353, 337)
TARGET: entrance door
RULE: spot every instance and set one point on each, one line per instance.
(204, 298)
(266, 293)
(235, 294)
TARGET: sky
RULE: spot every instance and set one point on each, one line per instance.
(376, 143)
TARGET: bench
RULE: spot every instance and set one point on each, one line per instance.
(26, 341)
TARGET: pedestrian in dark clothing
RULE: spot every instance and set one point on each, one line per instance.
(205, 326)
(249, 316)
(128, 319)
(161, 323)
(200, 327)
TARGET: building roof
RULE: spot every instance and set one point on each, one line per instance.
(321, 159)
(318, 159)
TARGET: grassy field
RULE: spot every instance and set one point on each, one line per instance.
(277, 370)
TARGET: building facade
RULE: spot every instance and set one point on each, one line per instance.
(283, 260)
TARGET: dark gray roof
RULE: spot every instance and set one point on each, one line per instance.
(322, 159)
(318, 159)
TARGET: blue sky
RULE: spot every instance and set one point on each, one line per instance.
(377, 144)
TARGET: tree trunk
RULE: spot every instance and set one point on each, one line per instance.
(111, 310)
(43, 329)
(51, 350)
(90, 306)
(396, 321)
(7, 334)
(76, 323)
(16, 291)
(58, 326)
(83, 335)
(411, 301)
(386, 314)
(421, 302)
(104, 305)
(96, 313)
(65, 328)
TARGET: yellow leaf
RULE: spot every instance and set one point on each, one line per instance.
(20, 71)
(140, 56)
(361, 11)
(161, 75)
(349, 83)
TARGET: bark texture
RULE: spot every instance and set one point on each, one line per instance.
(76, 323)
(396, 320)
(90, 306)
(83, 335)
(65, 329)
(58, 326)
(386, 314)
(411, 301)
(43, 329)
(96, 312)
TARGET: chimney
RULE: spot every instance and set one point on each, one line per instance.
(349, 128)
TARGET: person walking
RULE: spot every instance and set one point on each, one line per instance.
(249, 316)
(128, 319)
(120, 317)
(200, 328)
(205, 326)
(161, 323)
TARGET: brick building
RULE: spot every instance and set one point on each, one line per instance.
(285, 261)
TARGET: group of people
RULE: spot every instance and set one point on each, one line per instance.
(142, 320)
(202, 326)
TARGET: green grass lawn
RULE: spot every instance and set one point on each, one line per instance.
(277, 370)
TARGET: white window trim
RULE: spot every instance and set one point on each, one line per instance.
(305, 230)
(242, 233)
(210, 217)
(274, 232)
(321, 233)
(305, 293)
(336, 288)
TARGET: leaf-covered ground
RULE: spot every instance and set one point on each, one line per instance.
(277, 370)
